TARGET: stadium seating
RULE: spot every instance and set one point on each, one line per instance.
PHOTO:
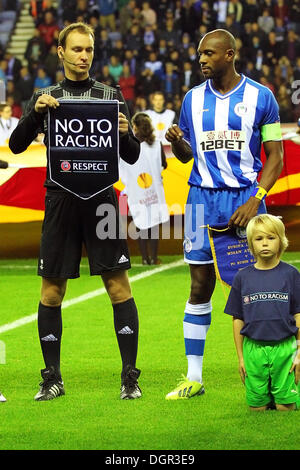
(7, 22)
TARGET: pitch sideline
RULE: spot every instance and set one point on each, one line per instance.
(89, 295)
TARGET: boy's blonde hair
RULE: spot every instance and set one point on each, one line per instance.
(270, 224)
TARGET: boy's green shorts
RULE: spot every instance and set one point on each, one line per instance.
(268, 378)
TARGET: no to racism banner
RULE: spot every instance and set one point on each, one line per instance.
(84, 145)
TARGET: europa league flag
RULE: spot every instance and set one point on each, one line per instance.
(230, 251)
(84, 145)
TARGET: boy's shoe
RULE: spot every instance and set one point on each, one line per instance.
(2, 397)
(185, 389)
(129, 385)
(51, 387)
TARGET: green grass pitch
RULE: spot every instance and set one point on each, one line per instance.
(91, 415)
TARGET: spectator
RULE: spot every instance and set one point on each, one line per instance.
(181, 16)
(125, 16)
(49, 30)
(118, 50)
(115, 68)
(69, 11)
(132, 62)
(105, 76)
(201, 31)
(220, 8)
(38, 8)
(12, 90)
(42, 80)
(252, 72)
(147, 83)
(16, 108)
(103, 48)
(134, 39)
(7, 123)
(189, 78)
(35, 50)
(191, 56)
(264, 81)
(154, 64)
(107, 9)
(140, 104)
(127, 83)
(208, 16)
(250, 11)
(230, 26)
(259, 60)
(286, 70)
(51, 63)
(272, 49)
(186, 41)
(137, 17)
(256, 46)
(161, 9)
(266, 21)
(177, 102)
(292, 46)
(163, 50)
(25, 84)
(294, 15)
(281, 10)
(170, 81)
(149, 37)
(82, 11)
(280, 31)
(176, 60)
(235, 10)
(170, 34)
(149, 15)
(14, 66)
(161, 117)
(3, 68)
(93, 22)
(256, 31)
(297, 69)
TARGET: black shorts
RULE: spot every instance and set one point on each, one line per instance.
(70, 223)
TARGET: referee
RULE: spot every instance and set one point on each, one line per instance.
(70, 221)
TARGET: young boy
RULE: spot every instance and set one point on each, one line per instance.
(265, 303)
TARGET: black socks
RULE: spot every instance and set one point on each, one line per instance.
(50, 331)
(127, 329)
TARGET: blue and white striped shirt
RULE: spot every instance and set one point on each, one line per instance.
(224, 132)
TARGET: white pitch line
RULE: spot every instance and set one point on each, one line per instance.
(89, 295)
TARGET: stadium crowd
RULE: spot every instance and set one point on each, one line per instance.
(146, 46)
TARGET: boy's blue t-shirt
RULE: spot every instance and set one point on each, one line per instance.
(266, 300)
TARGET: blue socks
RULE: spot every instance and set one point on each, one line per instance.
(196, 323)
